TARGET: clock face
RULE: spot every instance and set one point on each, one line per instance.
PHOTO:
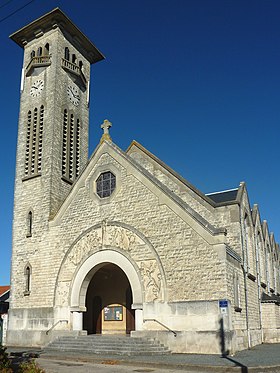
(37, 88)
(73, 95)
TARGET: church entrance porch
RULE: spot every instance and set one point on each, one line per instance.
(108, 302)
(106, 294)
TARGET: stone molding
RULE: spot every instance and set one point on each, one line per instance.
(100, 240)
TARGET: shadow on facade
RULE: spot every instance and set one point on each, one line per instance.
(225, 352)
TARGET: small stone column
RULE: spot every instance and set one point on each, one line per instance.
(77, 320)
(138, 316)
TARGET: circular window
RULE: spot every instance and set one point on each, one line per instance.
(105, 184)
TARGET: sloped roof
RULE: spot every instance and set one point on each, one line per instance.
(173, 198)
(270, 298)
(56, 18)
(224, 196)
(208, 197)
(4, 289)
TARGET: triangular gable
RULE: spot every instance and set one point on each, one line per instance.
(243, 199)
(222, 199)
(255, 214)
(135, 147)
(256, 218)
(167, 197)
(265, 231)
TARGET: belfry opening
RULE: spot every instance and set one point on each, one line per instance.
(108, 302)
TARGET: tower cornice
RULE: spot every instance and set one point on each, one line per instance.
(57, 19)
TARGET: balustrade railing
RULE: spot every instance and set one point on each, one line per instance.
(72, 67)
(38, 61)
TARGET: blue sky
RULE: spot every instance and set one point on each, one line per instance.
(197, 82)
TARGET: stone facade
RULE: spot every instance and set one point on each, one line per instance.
(197, 265)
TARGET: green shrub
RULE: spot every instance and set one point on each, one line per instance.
(5, 364)
(30, 367)
(6, 370)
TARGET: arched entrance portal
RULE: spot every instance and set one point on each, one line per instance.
(86, 273)
(108, 302)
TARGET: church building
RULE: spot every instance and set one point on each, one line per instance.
(119, 243)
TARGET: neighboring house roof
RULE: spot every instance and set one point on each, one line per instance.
(4, 299)
(4, 289)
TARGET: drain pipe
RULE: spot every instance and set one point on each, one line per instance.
(259, 281)
(246, 305)
(244, 270)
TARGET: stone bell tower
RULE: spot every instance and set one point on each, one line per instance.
(53, 119)
(52, 145)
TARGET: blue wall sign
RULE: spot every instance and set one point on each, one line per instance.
(223, 303)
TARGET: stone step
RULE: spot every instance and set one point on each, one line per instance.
(108, 351)
(112, 351)
(91, 346)
(107, 348)
(103, 343)
(109, 345)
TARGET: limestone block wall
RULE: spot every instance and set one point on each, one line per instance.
(188, 195)
(138, 221)
(271, 316)
(271, 322)
(44, 194)
(229, 217)
(236, 294)
(185, 257)
(182, 252)
(197, 325)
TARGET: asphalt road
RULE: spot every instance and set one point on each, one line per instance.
(58, 366)
(260, 359)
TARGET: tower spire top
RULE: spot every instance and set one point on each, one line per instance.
(106, 125)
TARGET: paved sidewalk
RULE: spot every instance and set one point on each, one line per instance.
(263, 358)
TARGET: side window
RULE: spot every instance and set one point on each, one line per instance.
(67, 54)
(39, 52)
(34, 142)
(246, 242)
(27, 275)
(71, 146)
(47, 49)
(237, 299)
(29, 224)
(105, 184)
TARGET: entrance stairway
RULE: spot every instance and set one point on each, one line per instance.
(107, 345)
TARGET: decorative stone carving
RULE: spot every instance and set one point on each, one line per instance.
(152, 280)
(104, 236)
(62, 293)
(107, 237)
(120, 237)
(85, 245)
